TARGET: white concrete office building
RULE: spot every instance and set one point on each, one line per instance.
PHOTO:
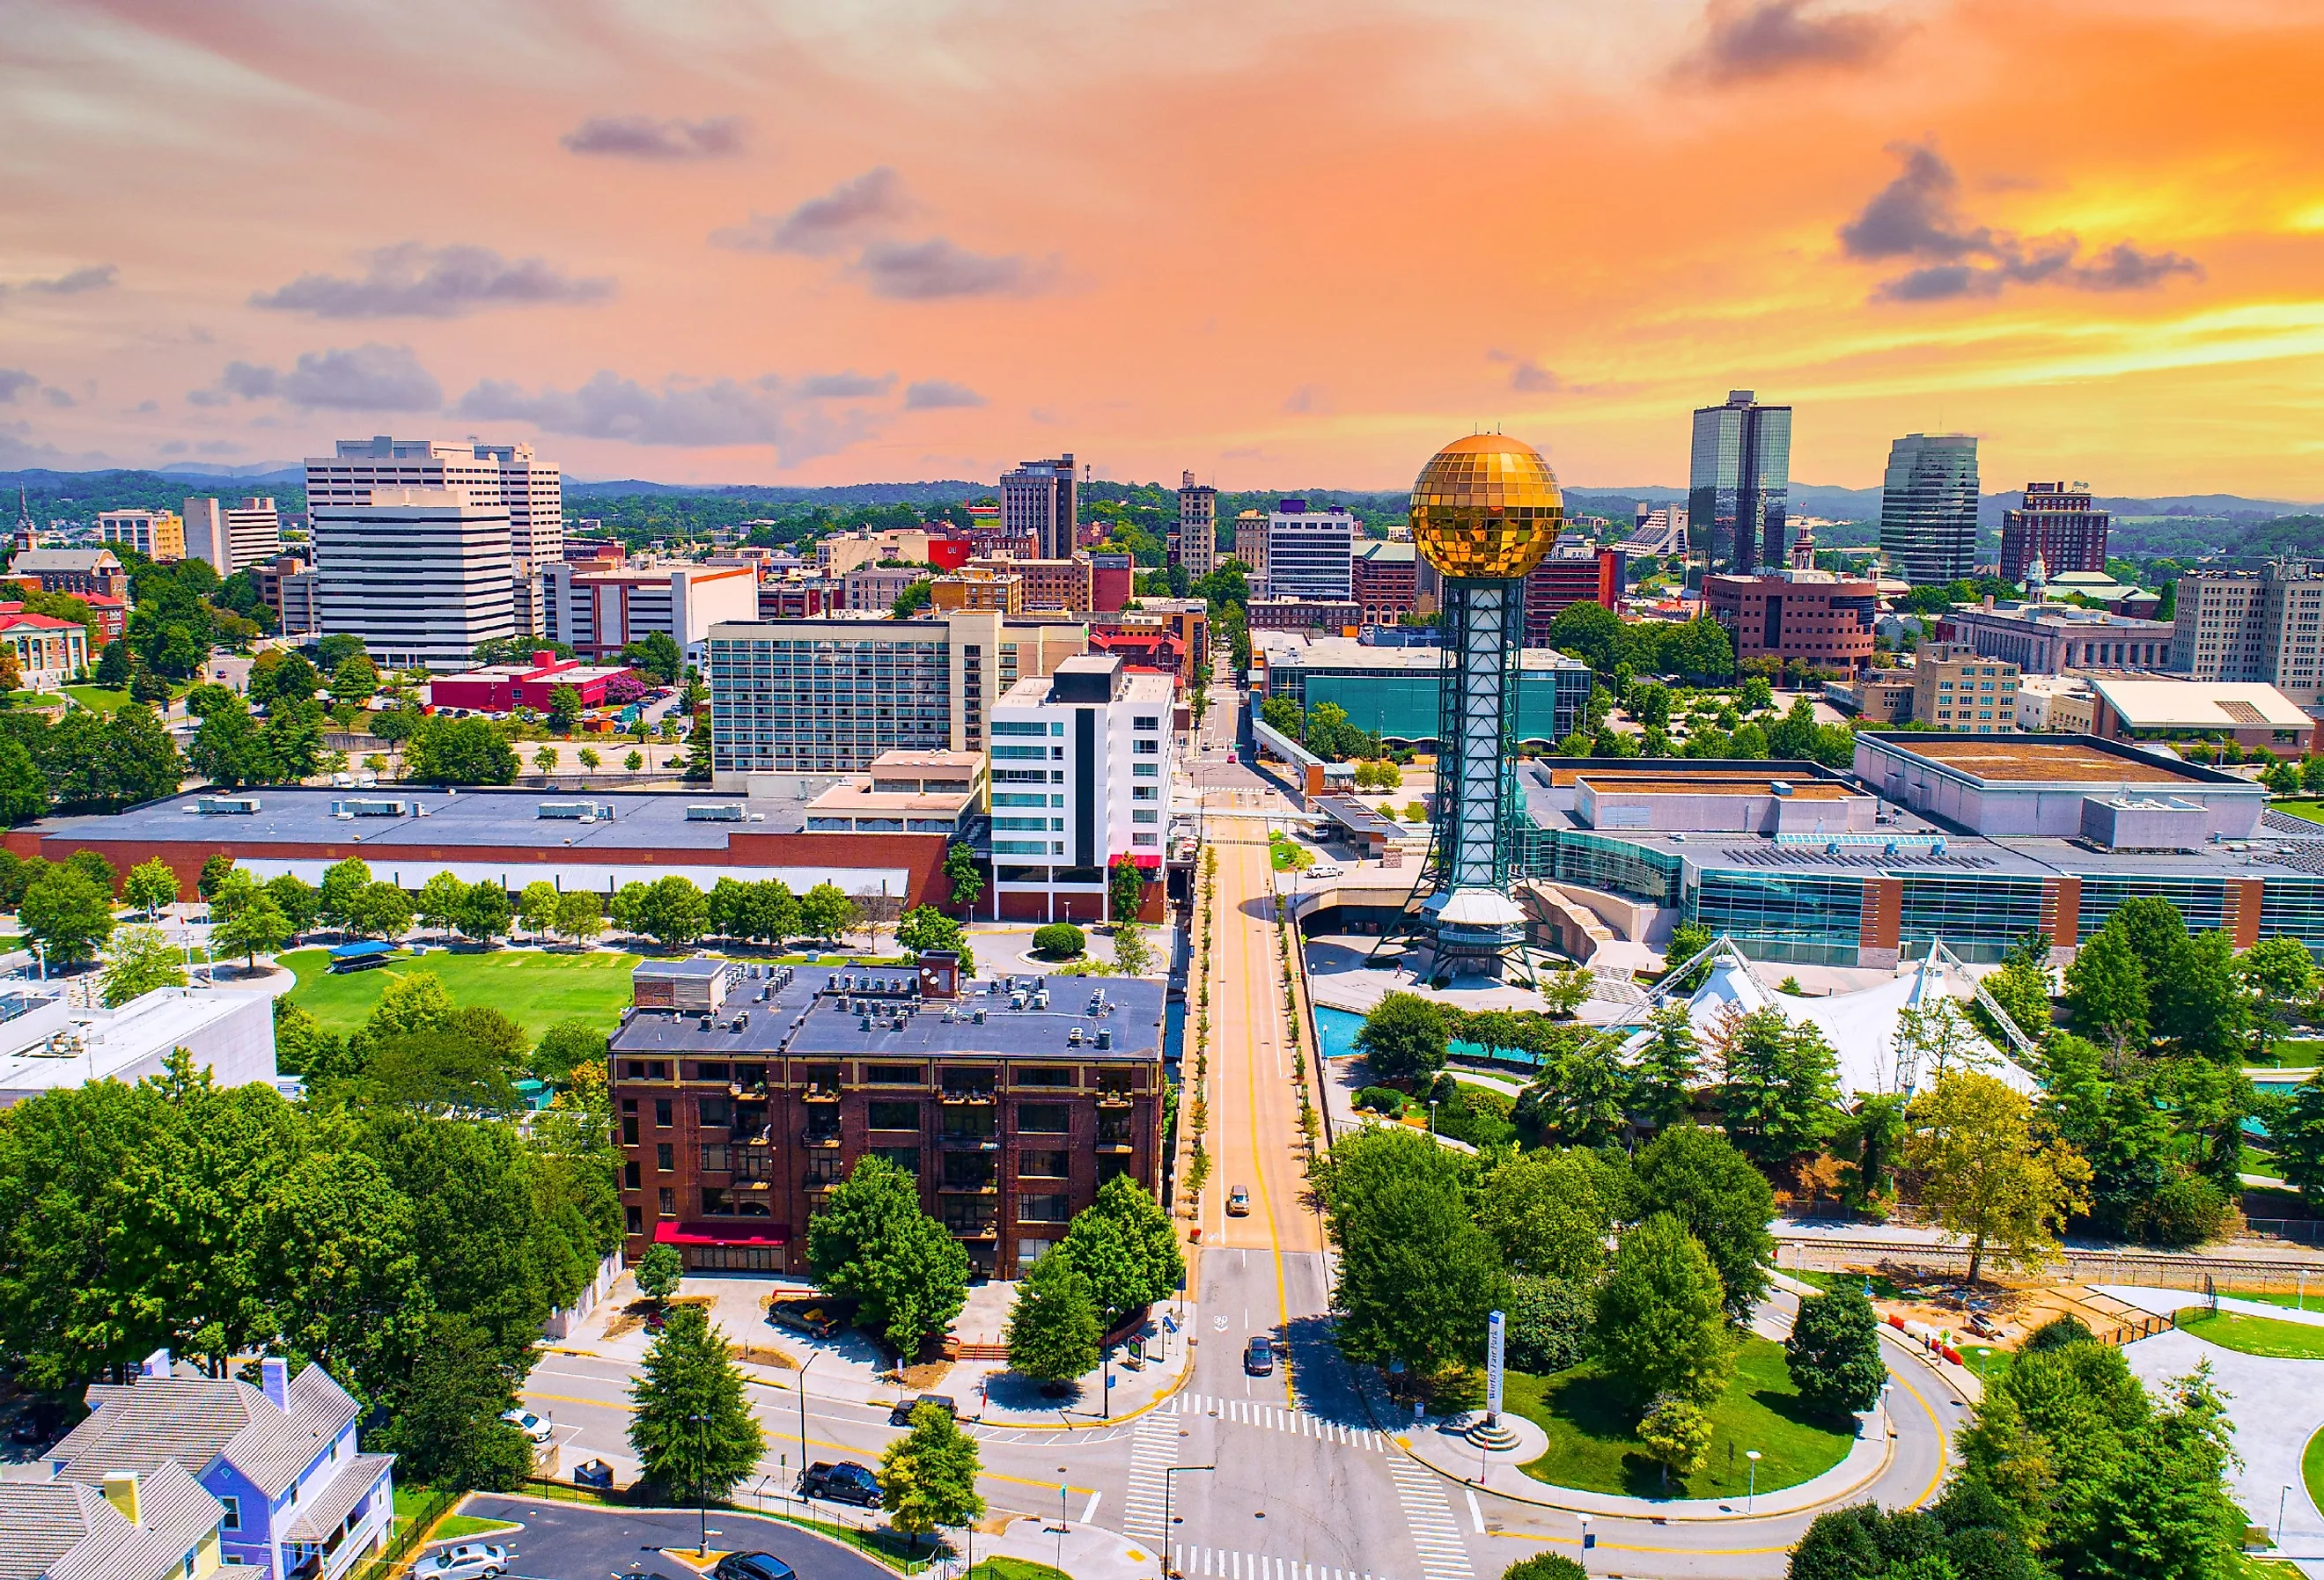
(421, 574)
(530, 490)
(1310, 553)
(1081, 776)
(598, 613)
(230, 536)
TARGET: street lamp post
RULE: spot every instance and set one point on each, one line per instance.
(702, 1486)
(1432, 1116)
(1751, 1502)
(1887, 1411)
(1174, 1470)
(811, 1360)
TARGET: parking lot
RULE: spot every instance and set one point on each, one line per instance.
(570, 1541)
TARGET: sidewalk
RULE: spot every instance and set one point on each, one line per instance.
(1084, 1552)
(2164, 1302)
(852, 1369)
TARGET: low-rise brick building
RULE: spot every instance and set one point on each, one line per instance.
(745, 1093)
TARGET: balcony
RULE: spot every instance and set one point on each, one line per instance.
(815, 1137)
(756, 1091)
(963, 1095)
(968, 1141)
(814, 1093)
(973, 1228)
(1114, 1138)
(1114, 1101)
(969, 1184)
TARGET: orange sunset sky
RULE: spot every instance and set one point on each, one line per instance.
(1283, 243)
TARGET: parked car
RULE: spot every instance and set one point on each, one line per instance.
(1259, 1356)
(845, 1482)
(593, 1473)
(815, 1318)
(1238, 1202)
(468, 1560)
(902, 1416)
(534, 1428)
(1323, 869)
(752, 1567)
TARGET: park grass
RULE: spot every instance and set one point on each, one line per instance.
(2313, 811)
(2311, 1469)
(99, 699)
(2313, 1300)
(2258, 1335)
(534, 988)
(1593, 1447)
(1013, 1569)
(1883, 1287)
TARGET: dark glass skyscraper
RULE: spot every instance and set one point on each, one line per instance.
(1738, 482)
(1928, 507)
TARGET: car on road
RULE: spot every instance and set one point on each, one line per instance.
(1259, 1356)
(902, 1416)
(534, 1428)
(467, 1560)
(752, 1567)
(1238, 1202)
(1323, 869)
(844, 1482)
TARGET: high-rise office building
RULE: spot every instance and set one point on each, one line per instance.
(2057, 523)
(1310, 553)
(1042, 500)
(1928, 507)
(228, 537)
(529, 490)
(1738, 482)
(2252, 626)
(421, 574)
(1196, 546)
(157, 534)
(1251, 548)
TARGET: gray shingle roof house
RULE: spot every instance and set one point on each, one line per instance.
(300, 1501)
(160, 1525)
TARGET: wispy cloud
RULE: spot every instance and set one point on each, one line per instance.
(923, 271)
(845, 386)
(410, 281)
(92, 277)
(683, 412)
(1526, 374)
(14, 381)
(848, 214)
(1747, 39)
(939, 394)
(1915, 220)
(643, 137)
(1307, 400)
(370, 377)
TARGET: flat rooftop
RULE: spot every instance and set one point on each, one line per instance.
(2033, 760)
(292, 815)
(1715, 784)
(812, 1017)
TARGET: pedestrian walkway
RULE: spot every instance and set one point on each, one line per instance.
(1444, 1556)
(1228, 1565)
(1153, 1450)
(2164, 1302)
(1299, 1423)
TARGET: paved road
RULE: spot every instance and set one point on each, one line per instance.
(566, 1541)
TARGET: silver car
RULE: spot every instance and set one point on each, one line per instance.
(468, 1560)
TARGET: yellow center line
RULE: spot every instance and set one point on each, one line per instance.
(1274, 1244)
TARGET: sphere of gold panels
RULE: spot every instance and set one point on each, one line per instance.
(1487, 507)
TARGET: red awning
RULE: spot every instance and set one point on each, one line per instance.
(742, 1232)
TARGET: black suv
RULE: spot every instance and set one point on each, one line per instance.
(752, 1567)
(844, 1483)
(902, 1416)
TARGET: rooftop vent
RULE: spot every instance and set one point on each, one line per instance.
(575, 811)
(1782, 787)
(716, 812)
(366, 807)
(230, 806)
(1105, 1037)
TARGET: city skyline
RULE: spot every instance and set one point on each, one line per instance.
(759, 246)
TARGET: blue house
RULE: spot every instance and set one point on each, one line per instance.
(302, 1500)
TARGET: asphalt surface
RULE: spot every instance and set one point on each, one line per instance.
(572, 1541)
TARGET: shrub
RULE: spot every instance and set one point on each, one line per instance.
(2187, 1211)
(2058, 1333)
(1549, 1322)
(1060, 940)
(1546, 1566)
(1385, 1100)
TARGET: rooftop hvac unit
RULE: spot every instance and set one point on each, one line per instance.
(228, 805)
(575, 811)
(716, 812)
(366, 807)
(1105, 1037)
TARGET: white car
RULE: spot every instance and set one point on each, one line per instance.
(468, 1560)
(534, 1428)
(1323, 869)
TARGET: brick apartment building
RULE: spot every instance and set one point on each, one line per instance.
(1812, 615)
(745, 1093)
(1589, 575)
(1385, 579)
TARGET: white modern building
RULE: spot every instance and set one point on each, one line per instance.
(157, 534)
(1310, 553)
(1082, 764)
(46, 1043)
(231, 536)
(530, 490)
(598, 613)
(421, 574)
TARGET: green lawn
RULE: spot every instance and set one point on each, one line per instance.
(98, 698)
(2311, 1469)
(1592, 1447)
(411, 1502)
(1882, 1287)
(2312, 1301)
(2312, 810)
(534, 989)
(1014, 1569)
(2259, 1336)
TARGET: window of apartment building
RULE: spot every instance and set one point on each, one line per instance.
(1044, 1163)
(908, 1159)
(1145, 839)
(1046, 1075)
(1043, 1118)
(1044, 1209)
(1145, 722)
(630, 1129)
(895, 1116)
(895, 1074)
(666, 1202)
(1143, 817)
(634, 1220)
(708, 1072)
(630, 1177)
(233, 1520)
(716, 1112)
(1146, 770)
(661, 1114)
(718, 1157)
(1144, 792)
(1145, 748)
(664, 1158)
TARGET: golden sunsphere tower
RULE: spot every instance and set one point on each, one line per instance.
(1485, 511)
